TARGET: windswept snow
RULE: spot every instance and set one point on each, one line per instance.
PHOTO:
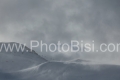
(30, 66)
(12, 61)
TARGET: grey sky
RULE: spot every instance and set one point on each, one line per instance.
(64, 20)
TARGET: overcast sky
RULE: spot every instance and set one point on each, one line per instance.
(63, 20)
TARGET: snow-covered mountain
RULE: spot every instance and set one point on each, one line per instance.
(65, 71)
(29, 66)
(17, 60)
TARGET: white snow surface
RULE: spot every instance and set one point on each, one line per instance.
(31, 66)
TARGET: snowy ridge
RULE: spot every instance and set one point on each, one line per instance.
(29, 66)
(12, 61)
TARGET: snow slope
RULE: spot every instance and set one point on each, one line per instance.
(29, 66)
(65, 71)
(12, 61)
